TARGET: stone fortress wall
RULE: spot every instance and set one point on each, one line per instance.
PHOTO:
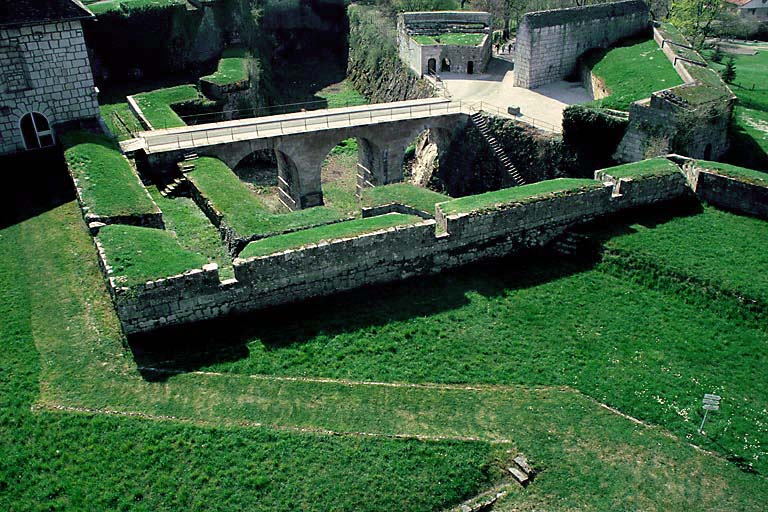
(45, 69)
(549, 43)
(692, 118)
(418, 56)
(428, 247)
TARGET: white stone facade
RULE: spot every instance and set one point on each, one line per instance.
(44, 68)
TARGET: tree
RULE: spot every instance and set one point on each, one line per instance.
(717, 54)
(694, 18)
(729, 71)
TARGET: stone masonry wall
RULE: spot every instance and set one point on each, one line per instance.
(726, 192)
(386, 255)
(45, 69)
(549, 43)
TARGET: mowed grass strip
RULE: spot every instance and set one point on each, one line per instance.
(653, 167)
(108, 183)
(156, 105)
(232, 67)
(519, 195)
(327, 233)
(732, 171)
(137, 254)
(120, 120)
(632, 72)
(420, 198)
(243, 210)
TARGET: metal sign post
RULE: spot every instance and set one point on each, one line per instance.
(709, 403)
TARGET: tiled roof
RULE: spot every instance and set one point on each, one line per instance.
(738, 2)
(27, 12)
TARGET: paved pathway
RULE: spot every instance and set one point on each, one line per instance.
(545, 104)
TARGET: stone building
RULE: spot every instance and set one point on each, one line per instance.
(445, 41)
(753, 9)
(45, 74)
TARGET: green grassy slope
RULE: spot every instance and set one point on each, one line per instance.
(632, 73)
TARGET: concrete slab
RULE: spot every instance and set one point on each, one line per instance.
(545, 104)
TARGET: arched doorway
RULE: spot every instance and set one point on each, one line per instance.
(36, 131)
(431, 66)
(445, 65)
(470, 67)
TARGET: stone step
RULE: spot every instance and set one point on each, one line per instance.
(518, 474)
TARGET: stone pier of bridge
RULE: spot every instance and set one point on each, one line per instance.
(301, 142)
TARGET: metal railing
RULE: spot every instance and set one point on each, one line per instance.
(254, 128)
(496, 110)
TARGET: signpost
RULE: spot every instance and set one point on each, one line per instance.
(709, 403)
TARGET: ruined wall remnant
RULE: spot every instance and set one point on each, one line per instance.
(549, 43)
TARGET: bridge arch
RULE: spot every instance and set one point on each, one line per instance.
(289, 181)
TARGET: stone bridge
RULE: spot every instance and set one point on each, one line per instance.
(301, 142)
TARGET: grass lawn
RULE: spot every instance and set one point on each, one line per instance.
(194, 231)
(199, 446)
(741, 173)
(120, 120)
(232, 67)
(458, 39)
(109, 185)
(342, 95)
(243, 210)
(327, 233)
(643, 169)
(419, 198)
(101, 7)
(518, 195)
(157, 105)
(641, 349)
(632, 73)
(138, 254)
(715, 248)
(750, 134)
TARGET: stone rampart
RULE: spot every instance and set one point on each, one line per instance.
(549, 43)
(691, 119)
(727, 192)
(386, 255)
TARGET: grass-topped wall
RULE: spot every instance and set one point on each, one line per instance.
(137, 254)
(108, 188)
(327, 233)
(507, 197)
(419, 198)
(240, 215)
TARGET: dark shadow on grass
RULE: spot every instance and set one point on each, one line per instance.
(745, 151)
(35, 182)
(186, 348)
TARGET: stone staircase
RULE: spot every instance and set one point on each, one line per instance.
(521, 470)
(572, 244)
(188, 163)
(482, 124)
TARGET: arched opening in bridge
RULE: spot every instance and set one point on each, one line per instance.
(431, 66)
(338, 177)
(36, 131)
(445, 65)
(259, 171)
(470, 67)
(423, 154)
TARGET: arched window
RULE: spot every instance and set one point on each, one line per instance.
(36, 131)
